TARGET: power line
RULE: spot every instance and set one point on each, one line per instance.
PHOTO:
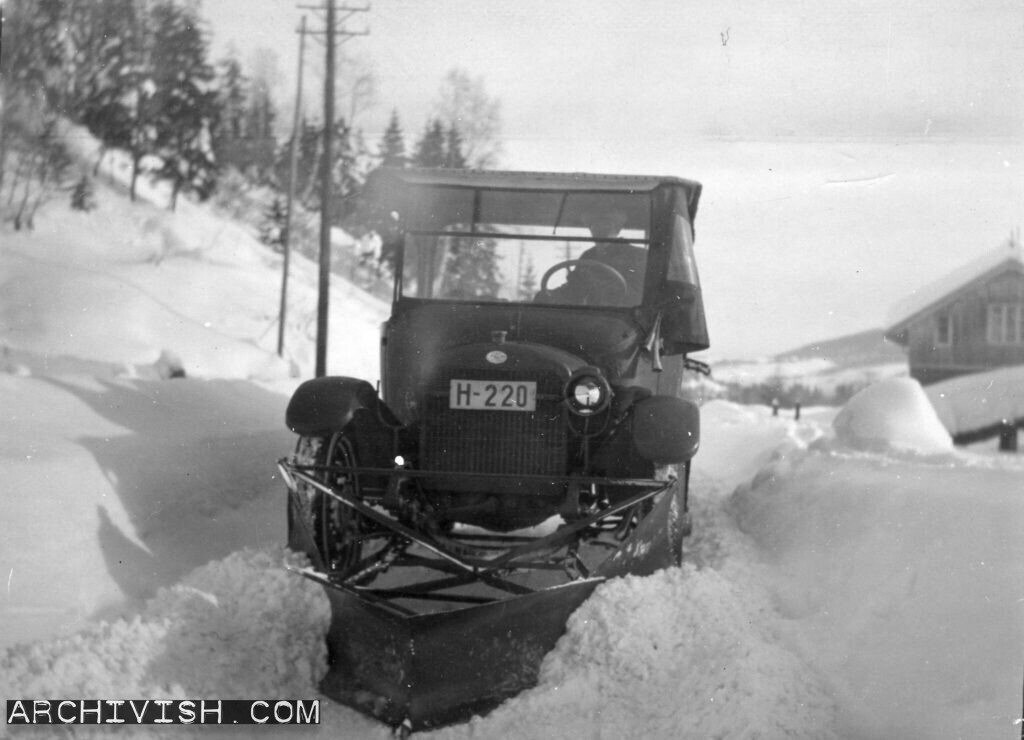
(333, 30)
(293, 157)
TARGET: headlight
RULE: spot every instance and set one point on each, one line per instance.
(587, 393)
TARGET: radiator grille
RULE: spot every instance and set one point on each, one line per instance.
(509, 442)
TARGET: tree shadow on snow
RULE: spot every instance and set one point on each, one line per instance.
(195, 473)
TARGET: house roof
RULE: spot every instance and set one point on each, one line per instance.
(947, 289)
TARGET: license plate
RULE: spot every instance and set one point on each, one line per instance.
(493, 395)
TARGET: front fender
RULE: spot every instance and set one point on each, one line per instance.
(666, 429)
(323, 406)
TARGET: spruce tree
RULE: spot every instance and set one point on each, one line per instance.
(265, 75)
(453, 156)
(430, 150)
(98, 36)
(274, 226)
(106, 89)
(471, 270)
(137, 76)
(233, 96)
(392, 145)
(345, 173)
(185, 109)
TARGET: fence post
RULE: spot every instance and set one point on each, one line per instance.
(1008, 436)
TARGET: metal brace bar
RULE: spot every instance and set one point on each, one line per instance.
(477, 567)
(385, 521)
(559, 537)
(428, 474)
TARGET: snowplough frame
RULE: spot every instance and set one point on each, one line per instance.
(423, 669)
(521, 451)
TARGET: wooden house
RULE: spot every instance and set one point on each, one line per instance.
(970, 321)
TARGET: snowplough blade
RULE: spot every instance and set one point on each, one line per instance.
(433, 669)
(451, 636)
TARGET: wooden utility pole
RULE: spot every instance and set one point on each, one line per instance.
(293, 166)
(331, 32)
(326, 200)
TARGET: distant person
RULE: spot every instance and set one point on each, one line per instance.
(595, 286)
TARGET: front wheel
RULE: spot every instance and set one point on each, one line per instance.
(342, 536)
(336, 527)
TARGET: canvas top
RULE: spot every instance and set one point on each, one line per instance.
(534, 180)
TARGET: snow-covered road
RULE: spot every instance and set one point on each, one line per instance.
(829, 591)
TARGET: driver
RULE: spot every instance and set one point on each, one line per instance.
(593, 286)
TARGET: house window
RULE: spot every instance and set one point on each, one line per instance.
(943, 330)
(1006, 323)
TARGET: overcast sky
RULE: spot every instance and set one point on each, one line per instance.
(890, 130)
(666, 68)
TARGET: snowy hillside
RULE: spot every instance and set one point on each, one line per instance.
(851, 574)
(126, 283)
(860, 349)
(830, 370)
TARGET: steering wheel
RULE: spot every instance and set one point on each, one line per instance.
(613, 276)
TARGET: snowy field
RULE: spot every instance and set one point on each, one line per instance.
(851, 574)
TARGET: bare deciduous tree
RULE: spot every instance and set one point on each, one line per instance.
(464, 105)
(265, 79)
(357, 85)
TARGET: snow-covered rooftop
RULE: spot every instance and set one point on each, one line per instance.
(980, 400)
(934, 293)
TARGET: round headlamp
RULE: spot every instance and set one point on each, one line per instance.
(587, 393)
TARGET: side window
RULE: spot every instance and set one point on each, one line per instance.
(1005, 323)
(994, 325)
(943, 330)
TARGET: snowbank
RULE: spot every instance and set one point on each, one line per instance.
(899, 578)
(113, 488)
(239, 628)
(893, 414)
(684, 653)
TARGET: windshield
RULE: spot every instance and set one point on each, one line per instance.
(576, 248)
